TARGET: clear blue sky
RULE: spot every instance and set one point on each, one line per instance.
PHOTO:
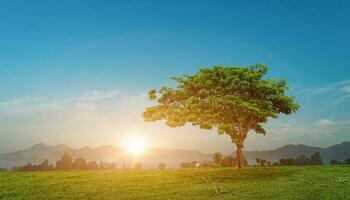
(55, 51)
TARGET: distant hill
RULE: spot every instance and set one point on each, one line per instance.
(337, 152)
(37, 153)
(172, 157)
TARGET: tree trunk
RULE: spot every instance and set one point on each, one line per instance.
(239, 156)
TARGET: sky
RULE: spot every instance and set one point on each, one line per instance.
(77, 72)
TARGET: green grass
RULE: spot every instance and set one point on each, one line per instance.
(318, 182)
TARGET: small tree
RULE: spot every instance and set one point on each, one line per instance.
(45, 165)
(334, 162)
(228, 161)
(263, 162)
(65, 162)
(217, 159)
(137, 166)
(302, 160)
(316, 159)
(107, 165)
(347, 161)
(79, 163)
(234, 100)
(161, 166)
(92, 165)
(28, 167)
(258, 161)
(287, 161)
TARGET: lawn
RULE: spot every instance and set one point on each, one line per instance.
(313, 182)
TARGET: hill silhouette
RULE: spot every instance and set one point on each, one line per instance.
(338, 152)
(172, 157)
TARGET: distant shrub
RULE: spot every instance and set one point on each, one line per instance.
(228, 161)
(65, 162)
(302, 160)
(262, 162)
(335, 162)
(3, 169)
(137, 166)
(45, 165)
(92, 165)
(79, 163)
(316, 159)
(217, 159)
(347, 161)
(108, 166)
(161, 166)
(287, 161)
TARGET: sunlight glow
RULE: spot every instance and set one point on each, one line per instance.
(136, 145)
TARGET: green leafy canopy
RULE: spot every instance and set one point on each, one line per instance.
(232, 99)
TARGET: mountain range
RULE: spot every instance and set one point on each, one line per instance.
(338, 152)
(172, 157)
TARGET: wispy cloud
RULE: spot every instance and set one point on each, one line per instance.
(334, 93)
(47, 102)
(319, 129)
(346, 88)
(324, 122)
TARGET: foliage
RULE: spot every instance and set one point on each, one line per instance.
(44, 166)
(217, 159)
(262, 162)
(287, 161)
(65, 162)
(3, 169)
(161, 166)
(316, 159)
(137, 166)
(92, 165)
(335, 162)
(302, 160)
(234, 100)
(79, 163)
(347, 161)
(107, 166)
(228, 161)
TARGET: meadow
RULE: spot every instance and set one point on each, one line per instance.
(310, 182)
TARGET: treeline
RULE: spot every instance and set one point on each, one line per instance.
(226, 161)
(66, 162)
(336, 162)
(218, 161)
(315, 159)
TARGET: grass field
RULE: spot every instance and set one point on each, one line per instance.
(319, 182)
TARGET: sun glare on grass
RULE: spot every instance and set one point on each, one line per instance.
(136, 145)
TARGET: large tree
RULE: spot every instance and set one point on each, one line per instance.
(233, 100)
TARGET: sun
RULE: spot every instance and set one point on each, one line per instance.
(136, 145)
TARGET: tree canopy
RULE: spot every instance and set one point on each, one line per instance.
(233, 100)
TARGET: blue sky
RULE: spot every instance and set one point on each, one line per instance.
(68, 65)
